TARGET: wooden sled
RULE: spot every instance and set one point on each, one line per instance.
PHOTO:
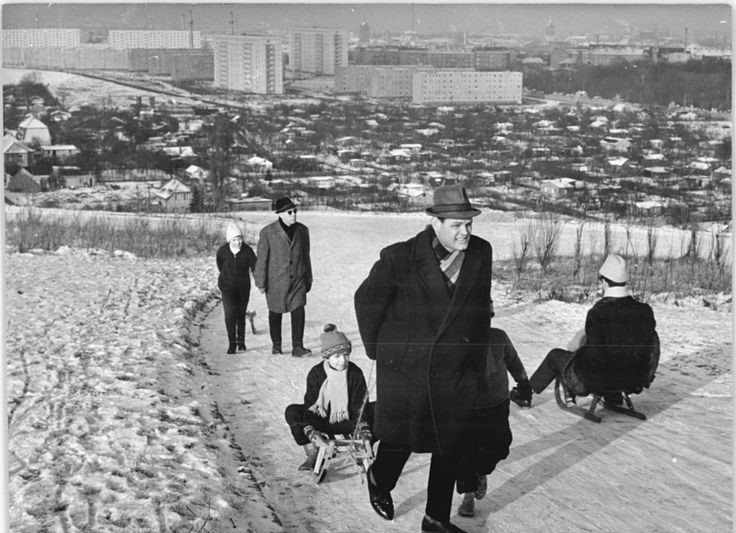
(589, 413)
(361, 450)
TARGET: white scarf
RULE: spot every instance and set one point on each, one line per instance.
(617, 292)
(233, 249)
(333, 395)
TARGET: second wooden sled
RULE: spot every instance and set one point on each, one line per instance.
(589, 413)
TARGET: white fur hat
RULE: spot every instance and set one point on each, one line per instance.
(232, 231)
(614, 268)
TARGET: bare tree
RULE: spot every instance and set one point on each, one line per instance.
(578, 253)
(522, 247)
(547, 239)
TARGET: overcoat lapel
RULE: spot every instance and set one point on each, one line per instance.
(465, 282)
(430, 276)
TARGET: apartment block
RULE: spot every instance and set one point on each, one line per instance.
(376, 81)
(466, 87)
(317, 50)
(42, 38)
(154, 39)
(248, 63)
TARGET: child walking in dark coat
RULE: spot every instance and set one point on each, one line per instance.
(487, 437)
(234, 260)
(334, 399)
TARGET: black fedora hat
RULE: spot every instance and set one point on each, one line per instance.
(451, 201)
(283, 204)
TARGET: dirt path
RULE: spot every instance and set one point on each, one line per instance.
(671, 473)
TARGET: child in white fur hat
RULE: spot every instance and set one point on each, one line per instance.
(335, 399)
(234, 261)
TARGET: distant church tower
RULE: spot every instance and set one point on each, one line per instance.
(550, 32)
(365, 33)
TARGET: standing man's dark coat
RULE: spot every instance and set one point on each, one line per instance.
(428, 344)
(284, 269)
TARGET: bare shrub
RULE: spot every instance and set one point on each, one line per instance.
(522, 247)
(578, 252)
(607, 242)
(652, 238)
(695, 245)
(547, 239)
(165, 238)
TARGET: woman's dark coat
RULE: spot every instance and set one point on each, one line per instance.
(234, 268)
(429, 346)
(621, 349)
(284, 269)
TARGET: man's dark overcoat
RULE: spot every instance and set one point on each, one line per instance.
(429, 345)
(284, 268)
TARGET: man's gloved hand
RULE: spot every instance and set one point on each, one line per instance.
(521, 395)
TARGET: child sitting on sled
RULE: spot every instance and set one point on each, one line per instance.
(488, 435)
(335, 399)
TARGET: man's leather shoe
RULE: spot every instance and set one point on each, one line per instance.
(430, 525)
(381, 501)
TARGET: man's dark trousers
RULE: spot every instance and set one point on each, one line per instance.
(389, 463)
(297, 327)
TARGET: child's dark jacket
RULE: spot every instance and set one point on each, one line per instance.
(357, 391)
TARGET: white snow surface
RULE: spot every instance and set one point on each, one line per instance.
(125, 413)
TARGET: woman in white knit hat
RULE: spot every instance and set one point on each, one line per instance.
(234, 259)
(618, 348)
(334, 399)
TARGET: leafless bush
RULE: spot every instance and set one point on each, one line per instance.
(578, 252)
(695, 245)
(547, 239)
(720, 250)
(607, 243)
(652, 238)
(522, 247)
(630, 250)
(167, 238)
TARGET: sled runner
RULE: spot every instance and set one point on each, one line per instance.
(627, 408)
(359, 449)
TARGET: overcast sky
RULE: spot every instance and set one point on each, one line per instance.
(700, 19)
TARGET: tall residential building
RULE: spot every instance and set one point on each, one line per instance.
(317, 50)
(248, 63)
(154, 39)
(364, 35)
(466, 87)
(42, 38)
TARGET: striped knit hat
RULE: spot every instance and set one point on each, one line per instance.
(334, 342)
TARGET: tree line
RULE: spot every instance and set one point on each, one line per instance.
(703, 84)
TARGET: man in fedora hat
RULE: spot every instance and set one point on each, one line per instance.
(284, 273)
(424, 313)
(618, 348)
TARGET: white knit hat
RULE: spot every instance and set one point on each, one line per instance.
(233, 230)
(614, 268)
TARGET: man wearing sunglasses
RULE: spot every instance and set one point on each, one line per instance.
(284, 273)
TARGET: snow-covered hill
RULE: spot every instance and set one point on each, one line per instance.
(125, 413)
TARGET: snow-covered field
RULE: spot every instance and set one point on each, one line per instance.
(125, 413)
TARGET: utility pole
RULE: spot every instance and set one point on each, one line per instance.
(232, 24)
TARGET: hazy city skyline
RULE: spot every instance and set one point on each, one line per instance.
(694, 21)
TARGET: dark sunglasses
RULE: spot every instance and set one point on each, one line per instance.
(291, 212)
